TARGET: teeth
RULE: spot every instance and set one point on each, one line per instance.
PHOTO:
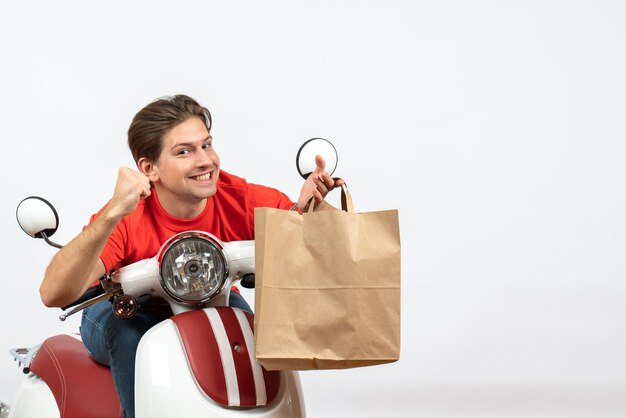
(206, 176)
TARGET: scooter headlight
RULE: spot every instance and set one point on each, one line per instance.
(193, 267)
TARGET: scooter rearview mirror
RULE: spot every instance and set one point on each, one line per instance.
(305, 159)
(38, 218)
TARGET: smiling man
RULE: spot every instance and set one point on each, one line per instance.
(178, 186)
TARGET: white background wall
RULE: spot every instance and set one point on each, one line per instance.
(496, 128)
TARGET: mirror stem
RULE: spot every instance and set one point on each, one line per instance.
(53, 244)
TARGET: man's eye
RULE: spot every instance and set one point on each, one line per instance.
(183, 152)
(206, 146)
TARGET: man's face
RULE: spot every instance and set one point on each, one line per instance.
(187, 169)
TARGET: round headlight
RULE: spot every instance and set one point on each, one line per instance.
(193, 269)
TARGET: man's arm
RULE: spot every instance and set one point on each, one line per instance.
(317, 185)
(77, 265)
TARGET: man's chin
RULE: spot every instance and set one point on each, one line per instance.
(205, 193)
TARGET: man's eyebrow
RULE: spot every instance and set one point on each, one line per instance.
(188, 144)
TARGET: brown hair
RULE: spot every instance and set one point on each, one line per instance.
(153, 121)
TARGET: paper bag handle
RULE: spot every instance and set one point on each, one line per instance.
(346, 200)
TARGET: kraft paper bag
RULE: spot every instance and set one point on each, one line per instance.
(327, 288)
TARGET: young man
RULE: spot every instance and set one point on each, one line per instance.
(178, 187)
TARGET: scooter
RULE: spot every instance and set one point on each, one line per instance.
(199, 362)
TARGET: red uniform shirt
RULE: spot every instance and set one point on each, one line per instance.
(229, 215)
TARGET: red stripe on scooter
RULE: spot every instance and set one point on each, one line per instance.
(272, 384)
(203, 353)
(243, 368)
(272, 378)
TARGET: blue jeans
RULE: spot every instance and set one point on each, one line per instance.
(113, 341)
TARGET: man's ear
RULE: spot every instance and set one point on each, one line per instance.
(148, 168)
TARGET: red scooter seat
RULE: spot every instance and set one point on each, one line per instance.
(82, 387)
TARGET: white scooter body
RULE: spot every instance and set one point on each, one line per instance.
(165, 384)
(162, 369)
(33, 398)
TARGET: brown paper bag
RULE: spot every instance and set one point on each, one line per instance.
(327, 288)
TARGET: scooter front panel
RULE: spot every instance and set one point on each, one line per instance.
(219, 346)
(166, 387)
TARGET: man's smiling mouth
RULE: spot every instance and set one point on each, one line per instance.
(206, 176)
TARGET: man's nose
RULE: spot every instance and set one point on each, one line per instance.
(203, 158)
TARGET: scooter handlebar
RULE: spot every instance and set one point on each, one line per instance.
(90, 293)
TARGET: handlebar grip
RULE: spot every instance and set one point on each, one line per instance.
(247, 281)
(90, 293)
